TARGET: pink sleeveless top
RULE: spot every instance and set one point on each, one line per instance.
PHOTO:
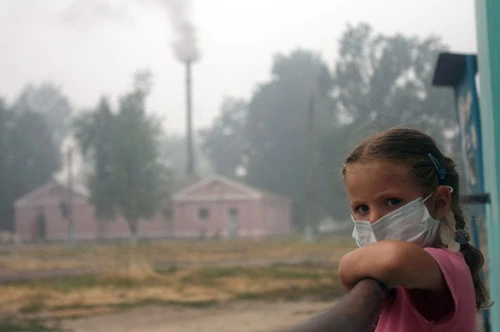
(400, 315)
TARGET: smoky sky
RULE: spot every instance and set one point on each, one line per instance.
(91, 48)
(85, 13)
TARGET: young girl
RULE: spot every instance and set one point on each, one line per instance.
(404, 198)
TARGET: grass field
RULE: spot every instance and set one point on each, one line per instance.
(165, 253)
(174, 273)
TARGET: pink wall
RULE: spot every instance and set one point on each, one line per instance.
(56, 227)
(260, 214)
(258, 218)
(86, 225)
(188, 224)
(276, 216)
(156, 227)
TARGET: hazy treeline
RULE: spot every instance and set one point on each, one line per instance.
(377, 81)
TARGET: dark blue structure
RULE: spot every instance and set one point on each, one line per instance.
(458, 71)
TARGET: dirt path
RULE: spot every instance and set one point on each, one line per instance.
(236, 317)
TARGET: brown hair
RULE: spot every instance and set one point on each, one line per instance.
(411, 148)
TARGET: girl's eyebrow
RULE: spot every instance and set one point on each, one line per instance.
(356, 202)
(389, 193)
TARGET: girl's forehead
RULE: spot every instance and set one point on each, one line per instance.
(379, 167)
(377, 175)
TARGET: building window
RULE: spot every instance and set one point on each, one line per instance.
(233, 212)
(167, 212)
(203, 214)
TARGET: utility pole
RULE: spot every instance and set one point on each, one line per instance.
(310, 167)
(71, 234)
(190, 168)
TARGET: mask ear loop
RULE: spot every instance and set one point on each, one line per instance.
(450, 188)
(451, 234)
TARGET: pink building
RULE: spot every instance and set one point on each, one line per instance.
(211, 207)
(39, 216)
(219, 207)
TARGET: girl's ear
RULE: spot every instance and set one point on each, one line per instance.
(441, 202)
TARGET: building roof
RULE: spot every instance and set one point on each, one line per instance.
(245, 189)
(183, 187)
(184, 182)
(32, 195)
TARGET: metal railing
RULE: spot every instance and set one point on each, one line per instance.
(356, 311)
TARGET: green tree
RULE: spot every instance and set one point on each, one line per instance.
(94, 132)
(48, 101)
(29, 157)
(276, 127)
(224, 142)
(140, 176)
(128, 174)
(173, 154)
(380, 82)
(388, 79)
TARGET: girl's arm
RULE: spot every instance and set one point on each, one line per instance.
(395, 263)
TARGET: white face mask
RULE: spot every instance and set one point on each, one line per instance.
(411, 222)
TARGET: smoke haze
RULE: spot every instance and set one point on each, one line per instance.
(184, 41)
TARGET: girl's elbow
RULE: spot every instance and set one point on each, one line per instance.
(345, 272)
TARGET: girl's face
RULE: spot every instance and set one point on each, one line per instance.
(377, 189)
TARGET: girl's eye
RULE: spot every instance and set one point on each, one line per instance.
(393, 201)
(362, 209)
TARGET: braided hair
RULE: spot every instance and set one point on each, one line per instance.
(430, 168)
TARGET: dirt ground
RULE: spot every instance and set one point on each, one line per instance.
(250, 316)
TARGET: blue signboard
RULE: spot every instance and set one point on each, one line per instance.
(458, 71)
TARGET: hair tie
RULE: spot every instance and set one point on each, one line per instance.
(439, 168)
(462, 236)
